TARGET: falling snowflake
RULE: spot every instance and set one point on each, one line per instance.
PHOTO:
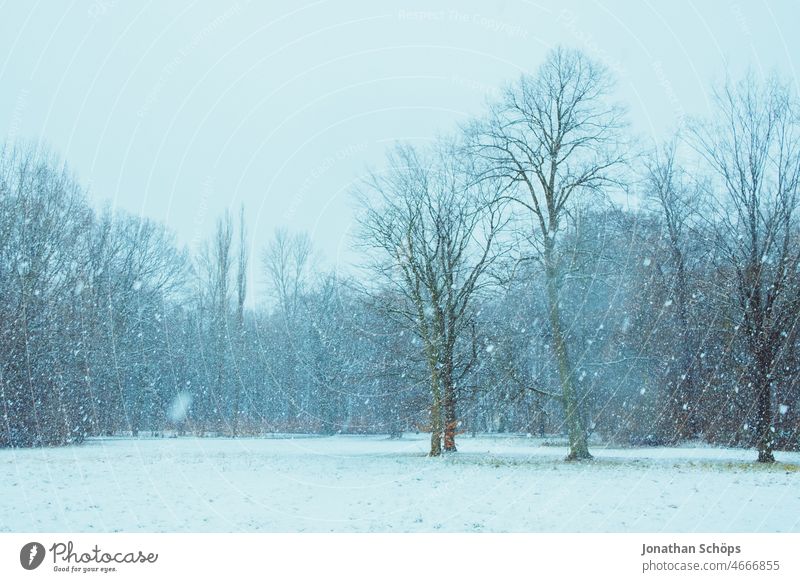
(180, 406)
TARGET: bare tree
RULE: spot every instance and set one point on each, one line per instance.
(752, 147)
(215, 269)
(431, 230)
(554, 137)
(147, 272)
(241, 295)
(677, 198)
(288, 262)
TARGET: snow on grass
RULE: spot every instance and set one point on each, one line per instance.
(372, 484)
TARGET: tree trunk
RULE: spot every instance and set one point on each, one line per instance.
(578, 445)
(236, 404)
(450, 421)
(764, 428)
(436, 414)
(238, 381)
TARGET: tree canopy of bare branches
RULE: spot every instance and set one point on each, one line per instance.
(752, 148)
(434, 228)
(554, 137)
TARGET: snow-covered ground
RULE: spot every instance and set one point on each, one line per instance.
(371, 484)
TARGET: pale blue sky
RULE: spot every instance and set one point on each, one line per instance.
(179, 109)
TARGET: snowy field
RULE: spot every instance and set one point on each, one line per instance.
(371, 484)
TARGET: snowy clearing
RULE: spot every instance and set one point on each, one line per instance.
(372, 484)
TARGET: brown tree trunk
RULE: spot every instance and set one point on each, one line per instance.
(450, 421)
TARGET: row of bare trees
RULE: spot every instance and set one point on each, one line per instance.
(84, 298)
(553, 147)
(510, 284)
(553, 137)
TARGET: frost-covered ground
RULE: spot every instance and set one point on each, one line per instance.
(371, 484)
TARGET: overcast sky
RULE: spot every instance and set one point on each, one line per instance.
(177, 110)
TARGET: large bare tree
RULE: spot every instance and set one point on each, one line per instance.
(554, 137)
(432, 231)
(752, 146)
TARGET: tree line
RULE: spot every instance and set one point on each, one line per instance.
(537, 271)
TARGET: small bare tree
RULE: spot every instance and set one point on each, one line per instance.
(288, 263)
(431, 230)
(752, 147)
(552, 138)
